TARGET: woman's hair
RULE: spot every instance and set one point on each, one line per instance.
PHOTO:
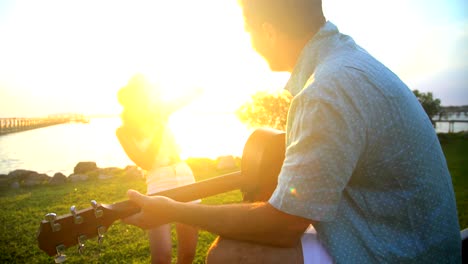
(294, 17)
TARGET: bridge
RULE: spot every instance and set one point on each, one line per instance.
(12, 125)
(451, 123)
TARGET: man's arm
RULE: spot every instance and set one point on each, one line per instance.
(255, 222)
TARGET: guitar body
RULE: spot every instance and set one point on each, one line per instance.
(262, 160)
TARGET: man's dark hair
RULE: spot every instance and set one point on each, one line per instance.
(294, 17)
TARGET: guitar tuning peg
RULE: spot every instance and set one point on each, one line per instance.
(97, 212)
(60, 257)
(77, 219)
(51, 217)
(81, 245)
(101, 231)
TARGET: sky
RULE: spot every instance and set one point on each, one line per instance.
(60, 56)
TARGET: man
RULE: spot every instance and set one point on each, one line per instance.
(363, 164)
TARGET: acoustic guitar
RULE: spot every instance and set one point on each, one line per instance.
(262, 158)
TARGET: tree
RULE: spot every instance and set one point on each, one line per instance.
(270, 109)
(266, 109)
(430, 105)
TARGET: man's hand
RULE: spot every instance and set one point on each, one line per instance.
(154, 210)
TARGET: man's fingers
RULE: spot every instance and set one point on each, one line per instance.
(137, 198)
(133, 220)
(130, 220)
(137, 219)
(147, 217)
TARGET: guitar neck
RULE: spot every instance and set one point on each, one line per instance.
(261, 163)
(187, 193)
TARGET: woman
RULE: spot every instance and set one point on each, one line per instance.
(148, 141)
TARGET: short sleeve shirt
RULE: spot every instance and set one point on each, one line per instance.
(363, 161)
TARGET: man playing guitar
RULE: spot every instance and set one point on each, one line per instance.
(363, 164)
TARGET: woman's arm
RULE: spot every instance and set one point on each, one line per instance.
(144, 158)
(182, 101)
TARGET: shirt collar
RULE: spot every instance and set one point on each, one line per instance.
(308, 59)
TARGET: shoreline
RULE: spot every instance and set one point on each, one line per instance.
(88, 170)
(83, 171)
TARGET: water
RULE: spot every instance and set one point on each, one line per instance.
(59, 148)
(443, 127)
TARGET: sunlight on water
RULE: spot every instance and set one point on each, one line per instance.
(59, 148)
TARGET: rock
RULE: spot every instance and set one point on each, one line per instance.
(84, 167)
(34, 179)
(58, 179)
(78, 177)
(133, 172)
(109, 173)
(38, 176)
(25, 178)
(226, 162)
(15, 185)
(20, 174)
(105, 177)
(31, 183)
(113, 171)
(6, 180)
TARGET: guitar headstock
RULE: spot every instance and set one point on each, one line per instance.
(56, 233)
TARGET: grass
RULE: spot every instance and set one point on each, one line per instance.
(21, 211)
(455, 148)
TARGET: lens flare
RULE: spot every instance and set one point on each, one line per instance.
(293, 191)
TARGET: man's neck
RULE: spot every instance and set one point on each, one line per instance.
(295, 47)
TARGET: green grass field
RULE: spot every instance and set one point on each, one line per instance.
(22, 210)
(456, 152)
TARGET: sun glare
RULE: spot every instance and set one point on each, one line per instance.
(82, 56)
(217, 67)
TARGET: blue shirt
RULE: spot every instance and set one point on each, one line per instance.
(363, 160)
